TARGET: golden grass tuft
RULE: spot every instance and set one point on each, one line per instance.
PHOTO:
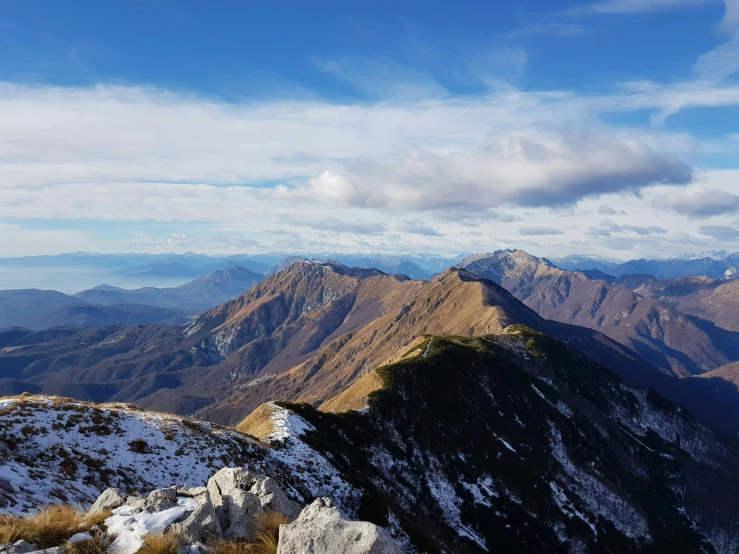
(232, 546)
(268, 532)
(264, 540)
(48, 527)
(96, 545)
(168, 543)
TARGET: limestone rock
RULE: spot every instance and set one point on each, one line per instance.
(201, 524)
(236, 507)
(322, 529)
(110, 499)
(136, 502)
(160, 500)
(272, 497)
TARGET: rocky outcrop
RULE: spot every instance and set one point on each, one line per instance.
(231, 506)
(322, 528)
(240, 497)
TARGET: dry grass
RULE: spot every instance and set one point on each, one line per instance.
(232, 546)
(258, 423)
(168, 543)
(268, 533)
(97, 545)
(355, 397)
(263, 542)
(49, 527)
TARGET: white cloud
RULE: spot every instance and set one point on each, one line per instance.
(539, 231)
(623, 7)
(472, 164)
(698, 203)
(525, 169)
(721, 232)
(722, 61)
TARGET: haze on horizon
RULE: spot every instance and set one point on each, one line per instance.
(606, 128)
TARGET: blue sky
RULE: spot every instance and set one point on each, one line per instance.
(607, 127)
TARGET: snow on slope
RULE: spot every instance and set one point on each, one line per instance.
(316, 475)
(315, 472)
(58, 450)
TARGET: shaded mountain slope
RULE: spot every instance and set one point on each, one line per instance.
(516, 443)
(663, 335)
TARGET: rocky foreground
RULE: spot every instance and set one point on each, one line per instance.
(232, 507)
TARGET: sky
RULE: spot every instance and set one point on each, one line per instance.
(608, 128)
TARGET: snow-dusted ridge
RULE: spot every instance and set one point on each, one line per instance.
(60, 450)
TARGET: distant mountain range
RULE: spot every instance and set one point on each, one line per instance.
(196, 296)
(42, 309)
(314, 327)
(311, 330)
(716, 266)
(107, 305)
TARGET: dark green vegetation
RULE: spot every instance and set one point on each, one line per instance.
(514, 443)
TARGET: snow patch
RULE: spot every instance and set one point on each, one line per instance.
(129, 528)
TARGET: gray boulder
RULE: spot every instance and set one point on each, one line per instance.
(111, 499)
(322, 529)
(237, 508)
(273, 499)
(160, 500)
(202, 524)
(19, 547)
(163, 494)
(136, 502)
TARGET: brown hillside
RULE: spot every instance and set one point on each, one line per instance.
(655, 329)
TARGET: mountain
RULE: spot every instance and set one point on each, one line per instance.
(663, 335)
(581, 263)
(309, 332)
(32, 307)
(305, 333)
(713, 301)
(513, 442)
(42, 309)
(708, 264)
(196, 296)
(270, 346)
(392, 265)
(597, 274)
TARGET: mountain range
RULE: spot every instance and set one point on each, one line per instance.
(716, 265)
(512, 442)
(196, 296)
(502, 404)
(668, 337)
(107, 305)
